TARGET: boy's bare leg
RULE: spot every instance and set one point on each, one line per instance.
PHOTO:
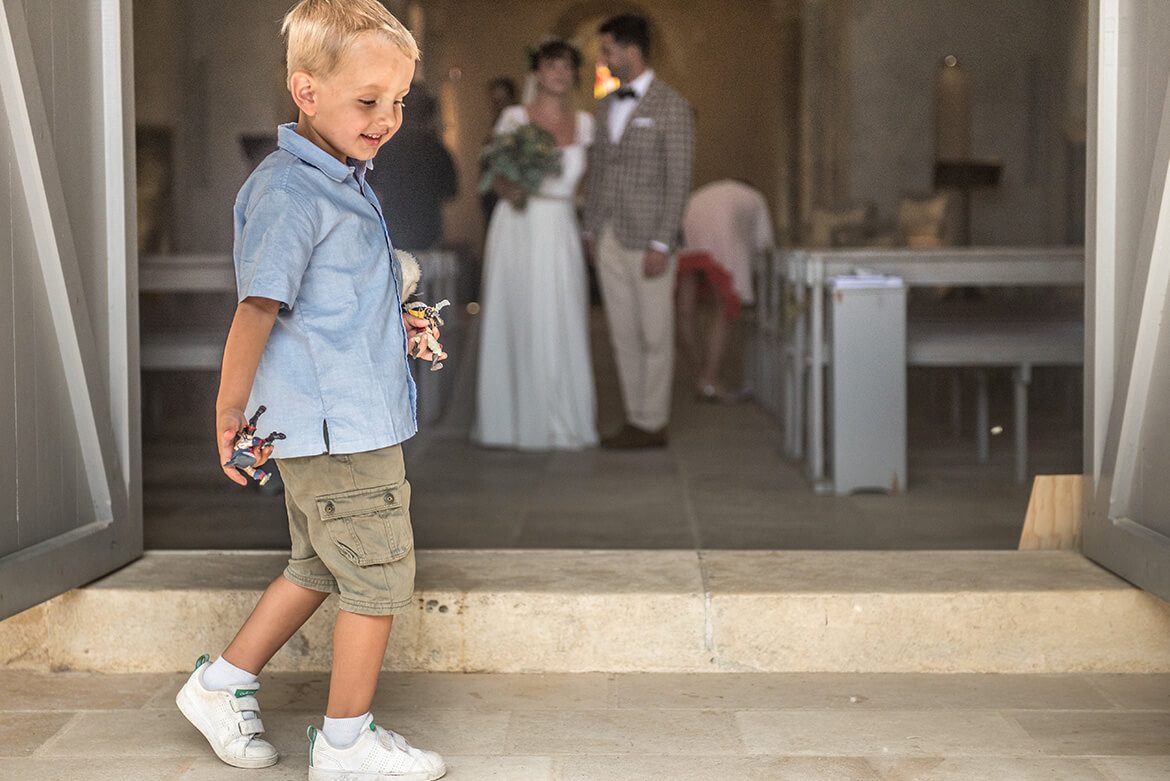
(359, 645)
(282, 609)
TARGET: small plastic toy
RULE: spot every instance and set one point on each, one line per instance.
(428, 339)
(248, 448)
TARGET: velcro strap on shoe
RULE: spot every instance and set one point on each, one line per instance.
(251, 727)
(240, 704)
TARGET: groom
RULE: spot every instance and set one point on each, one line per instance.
(639, 179)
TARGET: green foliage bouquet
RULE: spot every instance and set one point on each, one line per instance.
(525, 157)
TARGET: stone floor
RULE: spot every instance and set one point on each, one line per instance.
(600, 727)
(722, 483)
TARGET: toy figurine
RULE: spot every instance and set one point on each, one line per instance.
(427, 340)
(249, 447)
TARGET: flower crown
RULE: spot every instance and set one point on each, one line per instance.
(553, 48)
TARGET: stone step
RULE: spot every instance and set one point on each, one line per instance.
(650, 611)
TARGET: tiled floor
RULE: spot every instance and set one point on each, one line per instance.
(722, 483)
(600, 727)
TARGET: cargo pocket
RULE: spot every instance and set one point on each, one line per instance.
(371, 525)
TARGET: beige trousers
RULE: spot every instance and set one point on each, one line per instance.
(640, 313)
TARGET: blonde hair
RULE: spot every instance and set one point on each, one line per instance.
(320, 31)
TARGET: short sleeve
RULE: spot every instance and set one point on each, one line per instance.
(585, 128)
(274, 247)
(510, 118)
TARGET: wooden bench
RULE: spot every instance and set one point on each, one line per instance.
(185, 349)
(983, 345)
(807, 271)
(188, 349)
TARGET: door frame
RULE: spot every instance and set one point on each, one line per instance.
(105, 413)
(1119, 358)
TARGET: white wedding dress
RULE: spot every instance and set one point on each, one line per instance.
(535, 389)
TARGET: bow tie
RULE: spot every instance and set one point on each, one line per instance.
(625, 92)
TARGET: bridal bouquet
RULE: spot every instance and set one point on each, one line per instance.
(525, 156)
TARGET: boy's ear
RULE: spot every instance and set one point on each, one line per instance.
(304, 92)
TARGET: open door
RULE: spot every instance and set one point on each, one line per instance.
(1127, 367)
(70, 499)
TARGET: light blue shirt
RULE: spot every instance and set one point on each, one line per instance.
(310, 234)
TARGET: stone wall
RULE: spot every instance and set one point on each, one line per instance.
(212, 71)
(1025, 66)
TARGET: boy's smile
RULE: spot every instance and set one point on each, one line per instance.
(358, 107)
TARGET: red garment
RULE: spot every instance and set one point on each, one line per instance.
(700, 261)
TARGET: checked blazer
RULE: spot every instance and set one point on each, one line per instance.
(640, 185)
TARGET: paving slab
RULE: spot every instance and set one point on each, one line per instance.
(624, 727)
(907, 733)
(1134, 768)
(1077, 733)
(969, 769)
(864, 692)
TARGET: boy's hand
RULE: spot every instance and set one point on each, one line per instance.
(416, 326)
(241, 355)
(228, 423)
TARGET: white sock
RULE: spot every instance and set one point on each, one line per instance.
(222, 674)
(343, 732)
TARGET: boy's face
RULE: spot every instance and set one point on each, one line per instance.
(359, 106)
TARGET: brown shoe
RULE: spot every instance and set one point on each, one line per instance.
(618, 439)
(631, 437)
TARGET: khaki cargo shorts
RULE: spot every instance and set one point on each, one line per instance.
(349, 517)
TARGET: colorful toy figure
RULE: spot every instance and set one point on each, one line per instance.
(249, 447)
(428, 339)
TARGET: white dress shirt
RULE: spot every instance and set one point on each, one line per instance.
(620, 111)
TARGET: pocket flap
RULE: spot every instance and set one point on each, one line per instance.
(363, 501)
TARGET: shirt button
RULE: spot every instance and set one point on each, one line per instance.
(329, 507)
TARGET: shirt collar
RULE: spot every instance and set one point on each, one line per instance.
(297, 145)
(642, 83)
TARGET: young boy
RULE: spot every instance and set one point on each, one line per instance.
(319, 337)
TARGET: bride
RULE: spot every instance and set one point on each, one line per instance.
(535, 388)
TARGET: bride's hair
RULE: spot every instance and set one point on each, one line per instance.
(555, 49)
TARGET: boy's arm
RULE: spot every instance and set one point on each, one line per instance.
(241, 355)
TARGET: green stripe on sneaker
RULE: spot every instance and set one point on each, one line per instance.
(246, 692)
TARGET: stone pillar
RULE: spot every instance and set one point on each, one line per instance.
(824, 104)
(786, 204)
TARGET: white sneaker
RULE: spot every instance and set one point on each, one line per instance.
(219, 715)
(377, 755)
